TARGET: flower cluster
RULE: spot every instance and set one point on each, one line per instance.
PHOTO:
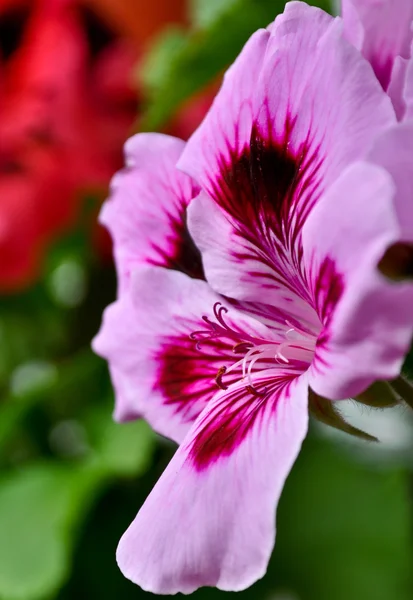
(66, 106)
(263, 273)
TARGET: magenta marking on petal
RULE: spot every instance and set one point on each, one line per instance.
(187, 376)
(269, 190)
(254, 186)
(382, 67)
(187, 257)
(327, 291)
(226, 427)
(269, 185)
(181, 253)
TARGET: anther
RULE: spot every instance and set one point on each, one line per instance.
(218, 378)
(241, 347)
(251, 389)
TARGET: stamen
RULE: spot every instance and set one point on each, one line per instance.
(279, 354)
(298, 330)
(252, 390)
(218, 378)
(219, 311)
(249, 354)
(219, 329)
(241, 347)
(297, 346)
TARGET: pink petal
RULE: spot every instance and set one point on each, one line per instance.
(145, 213)
(210, 520)
(284, 82)
(367, 319)
(393, 151)
(408, 89)
(297, 106)
(381, 29)
(232, 268)
(397, 85)
(158, 371)
(228, 123)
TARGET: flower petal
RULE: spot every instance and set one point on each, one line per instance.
(393, 150)
(284, 125)
(408, 90)
(145, 213)
(367, 319)
(210, 520)
(159, 372)
(397, 85)
(381, 30)
(232, 268)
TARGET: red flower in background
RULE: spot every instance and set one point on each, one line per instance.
(66, 106)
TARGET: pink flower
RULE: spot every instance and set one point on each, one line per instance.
(292, 214)
(383, 31)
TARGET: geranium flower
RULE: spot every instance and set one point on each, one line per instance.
(383, 31)
(288, 310)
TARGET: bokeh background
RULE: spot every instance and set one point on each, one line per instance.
(77, 77)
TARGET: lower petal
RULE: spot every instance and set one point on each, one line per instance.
(159, 371)
(210, 520)
(156, 370)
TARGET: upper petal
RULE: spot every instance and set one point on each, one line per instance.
(210, 520)
(145, 213)
(276, 137)
(300, 83)
(381, 29)
(239, 269)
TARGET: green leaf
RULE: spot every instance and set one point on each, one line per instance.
(42, 506)
(38, 382)
(157, 62)
(204, 54)
(122, 449)
(408, 365)
(344, 529)
(205, 12)
(39, 508)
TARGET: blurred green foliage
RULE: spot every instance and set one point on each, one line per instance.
(181, 65)
(71, 480)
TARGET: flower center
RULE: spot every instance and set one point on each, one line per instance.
(295, 350)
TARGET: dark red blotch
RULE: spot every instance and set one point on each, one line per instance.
(185, 256)
(233, 420)
(186, 375)
(262, 184)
